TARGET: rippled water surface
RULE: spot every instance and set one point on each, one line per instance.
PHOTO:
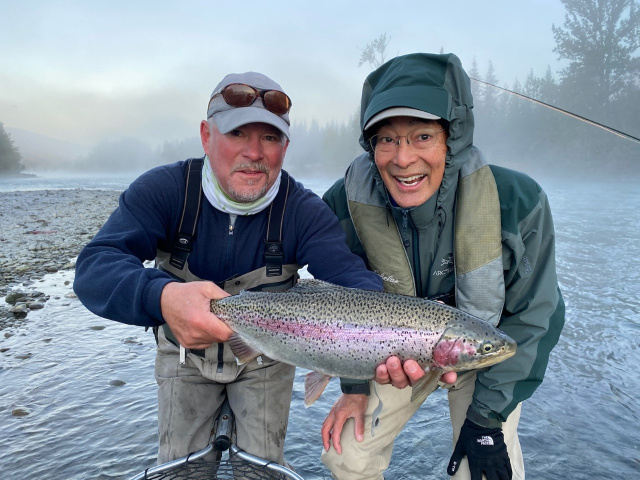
(79, 397)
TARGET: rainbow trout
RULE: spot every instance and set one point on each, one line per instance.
(347, 332)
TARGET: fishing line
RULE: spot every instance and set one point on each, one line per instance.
(573, 115)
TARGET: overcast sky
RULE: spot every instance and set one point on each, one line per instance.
(87, 71)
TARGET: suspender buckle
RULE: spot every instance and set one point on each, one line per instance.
(273, 257)
(180, 250)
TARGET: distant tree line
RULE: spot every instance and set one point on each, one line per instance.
(133, 155)
(10, 158)
(323, 151)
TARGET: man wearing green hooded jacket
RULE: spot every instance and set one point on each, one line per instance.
(433, 219)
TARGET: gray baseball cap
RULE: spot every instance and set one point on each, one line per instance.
(400, 112)
(228, 117)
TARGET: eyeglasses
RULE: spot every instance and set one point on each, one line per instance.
(420, 139)
(241, 95)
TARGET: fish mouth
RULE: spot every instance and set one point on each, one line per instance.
(480, 360)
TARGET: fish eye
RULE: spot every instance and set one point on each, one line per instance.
(486, 347)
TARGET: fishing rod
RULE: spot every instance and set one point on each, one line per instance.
(565, 112)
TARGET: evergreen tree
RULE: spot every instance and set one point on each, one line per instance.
(489, 97)
(599, 38)
(10, 158)
(547, 91)
(476, 89)
(490, 92)
(549, 88)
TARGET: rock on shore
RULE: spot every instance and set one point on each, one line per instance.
(42, 232)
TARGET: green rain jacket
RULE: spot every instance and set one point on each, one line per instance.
(533, 311)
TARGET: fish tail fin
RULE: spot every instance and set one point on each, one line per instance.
(314, 385)
(425, 386)
(244, 353)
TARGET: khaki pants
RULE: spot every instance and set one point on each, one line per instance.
(190, 395)
(370, 458)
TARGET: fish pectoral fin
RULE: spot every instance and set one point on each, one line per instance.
(243, 352)
(314, 385)
(425, 386)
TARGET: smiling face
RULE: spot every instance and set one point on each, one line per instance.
(411, 175)
(246, 161)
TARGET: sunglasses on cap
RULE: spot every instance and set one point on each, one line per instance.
(241, 95)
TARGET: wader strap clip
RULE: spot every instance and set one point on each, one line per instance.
(273, 251)
(183, 241)
(273, 257)
(180, 250)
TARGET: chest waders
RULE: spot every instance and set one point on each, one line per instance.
(273, 277)
(478, 265)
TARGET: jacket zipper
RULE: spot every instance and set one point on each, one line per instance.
(415, 250)
(400, 234)
(232, 220)
(405, 224)
(416, 262)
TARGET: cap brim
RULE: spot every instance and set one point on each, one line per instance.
(400, 112)
(236, 117)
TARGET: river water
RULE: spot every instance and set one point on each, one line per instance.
(86, 388)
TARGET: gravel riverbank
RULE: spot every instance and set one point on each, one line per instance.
(43, 232)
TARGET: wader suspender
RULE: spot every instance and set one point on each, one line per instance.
(183, 241)
(273, 254)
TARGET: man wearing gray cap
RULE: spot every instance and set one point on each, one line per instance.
(231, 221)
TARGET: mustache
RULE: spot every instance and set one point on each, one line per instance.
(255, 167)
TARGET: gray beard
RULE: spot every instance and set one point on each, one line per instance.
(246, 197)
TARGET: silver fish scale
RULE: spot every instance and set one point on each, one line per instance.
(339, 331)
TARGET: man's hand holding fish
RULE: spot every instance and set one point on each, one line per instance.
(185, 307)
(401, 375)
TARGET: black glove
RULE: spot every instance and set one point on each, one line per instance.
(485, 450)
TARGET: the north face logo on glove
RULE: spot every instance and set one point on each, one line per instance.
(485, 449)
(485, 441)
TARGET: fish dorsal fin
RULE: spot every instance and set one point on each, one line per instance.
(312, 285)
(243, 352)
(314, 385)
(425, 386)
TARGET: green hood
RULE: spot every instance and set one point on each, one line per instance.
(433, 83)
